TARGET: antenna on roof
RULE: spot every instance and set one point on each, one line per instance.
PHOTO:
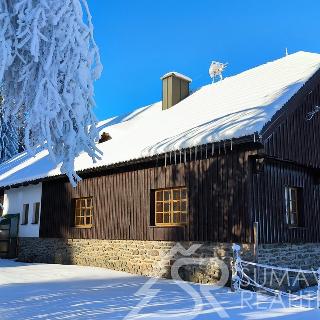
(287, 52)
(216, 69)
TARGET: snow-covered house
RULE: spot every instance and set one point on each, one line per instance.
(236, 161)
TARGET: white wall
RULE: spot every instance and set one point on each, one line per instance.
(15, 198)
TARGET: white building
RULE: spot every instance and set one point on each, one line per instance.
(25, 201)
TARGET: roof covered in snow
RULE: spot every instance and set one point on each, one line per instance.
(234, 107)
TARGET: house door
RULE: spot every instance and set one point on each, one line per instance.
(9, 236)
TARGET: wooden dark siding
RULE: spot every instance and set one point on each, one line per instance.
(269, 203)
(218, 201)
(290, 136)
(293, 142)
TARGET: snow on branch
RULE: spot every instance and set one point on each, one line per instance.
(48, 64)
(9, 137)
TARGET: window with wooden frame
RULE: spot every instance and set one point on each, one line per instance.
(25, 214)
(171, 207)
(292, 206)
(36, 213)
(83, 212)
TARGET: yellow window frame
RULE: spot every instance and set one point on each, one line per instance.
(171, 207)
(83, 214)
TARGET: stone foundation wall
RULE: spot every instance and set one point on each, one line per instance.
(150, 258)
(153, 258)
(304, 256)
(292, 256)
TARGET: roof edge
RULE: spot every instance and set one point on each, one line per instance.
(213, 147)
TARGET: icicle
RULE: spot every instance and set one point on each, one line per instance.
(165, 159)
(185, 156)
(231, 145)
(212, 148)
(180, 155)
(206, 151)
(195, 153)
(175, 157)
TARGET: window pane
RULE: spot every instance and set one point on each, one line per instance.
(293, 218)
(25, 214)
(166, 218)
(88, 220)
(184, 206)
(166, 207)
(291, 201)
(290, 207)
(167, 195)
(176, 194)
(159, 218)
(89, 203)
(159, 195)
(183, 193)
(176, 217)
(176, 206)
(159, 207)
(36, 212)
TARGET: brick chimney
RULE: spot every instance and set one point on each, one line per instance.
(175, 87)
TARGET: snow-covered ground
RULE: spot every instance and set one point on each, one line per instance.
(41, 291)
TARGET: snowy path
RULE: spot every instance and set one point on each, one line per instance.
(40, 291)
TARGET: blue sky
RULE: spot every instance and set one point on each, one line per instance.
(140, 40)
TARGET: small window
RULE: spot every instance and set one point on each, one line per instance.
(83, 212)
(292, 206)
(171, 207)
(36, 213)
(25, 214)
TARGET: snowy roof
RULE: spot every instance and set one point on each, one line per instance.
(177, 74)
(236, 106)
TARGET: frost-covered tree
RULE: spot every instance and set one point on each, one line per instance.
(9, 138)
(48, 63)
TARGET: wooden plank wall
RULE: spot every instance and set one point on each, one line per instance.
(269, 203)
(218, 201)
(290, 137)
(294, 138)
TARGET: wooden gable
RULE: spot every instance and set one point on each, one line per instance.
(289, 135)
